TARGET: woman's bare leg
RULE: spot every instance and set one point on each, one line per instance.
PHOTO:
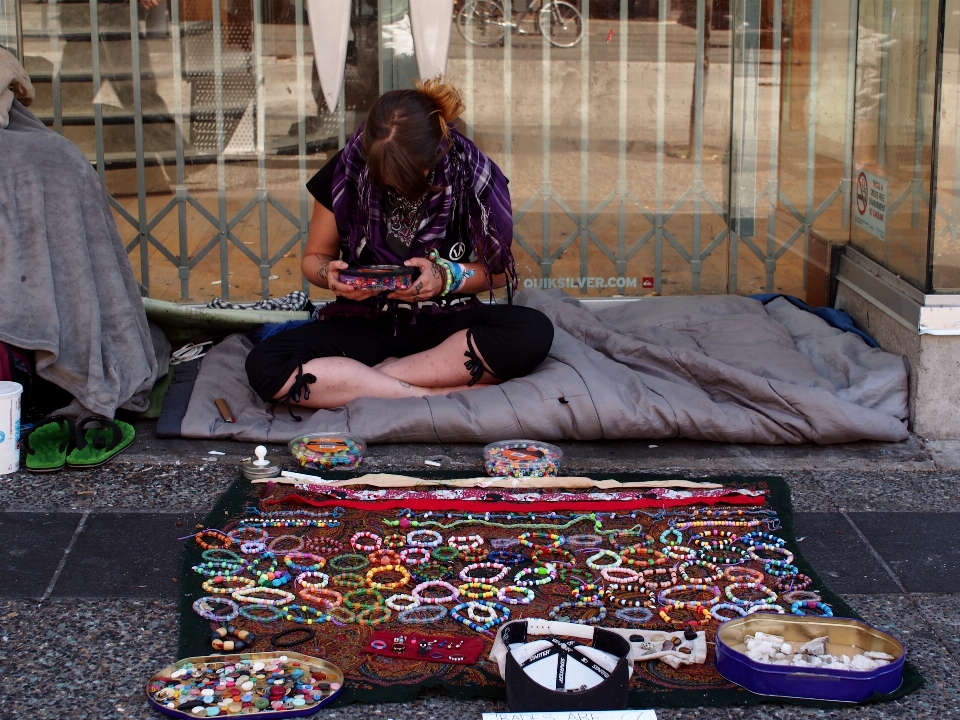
(439, 367)
(341, 380)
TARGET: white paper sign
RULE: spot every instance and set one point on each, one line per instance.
(575, 715)
(870, 213)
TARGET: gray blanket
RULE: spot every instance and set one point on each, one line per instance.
(721, 368)
(67, 287)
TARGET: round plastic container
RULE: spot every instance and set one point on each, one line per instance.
(378, 277)
(328, 451)
(522, 458)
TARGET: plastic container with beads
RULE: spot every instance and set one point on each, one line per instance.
(522, 458)
(328, 451)
(381, 278)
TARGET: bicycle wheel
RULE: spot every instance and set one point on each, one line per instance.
(481, 22)
(560, 23)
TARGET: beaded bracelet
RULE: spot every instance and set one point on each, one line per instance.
(366, 616)
(619, 574)
(476, 556)
(402, 601)
(423, 556)
(385, 556)
(713, 572)
(584, 541)
(503, 543)
(671, 531)
(594, 564)
(717, 523)
(742, 574)
(793, 582)
(444, 553)
(432, 571)
(667, 618)
(505, 557)
(467, 576)
(218, 567)
(680, 552)
(419, 590)
(221, 554)
(740, 556)
(350, 602)
(568, 557)
(485, 627)
(792, 596)
(644, 541)
(555, 611)
(435, 538)
(423, 615)
(545, 575)
(628, 595)
(480, 613)
(797, 608)
(356, 544)
(295, 523)
(348, 580)
(323, 546)
(394, 541)
(756, 538)
(218, 534)
(634, 615)
(341, 615)
(274, 545)
(726, 537)
(555, 540)
(216, 585)
(779, 569)
(203, 608)
(465, 543)
(404, 577)
(715, 611)
(766, 607)
(656, 557)
(289, 558)
(348, 562)
(303, 580)
(664, 598)
(771, 596)
(503, 595)
(318, 616)
(238, 534)
(653, 572)
(775, 562)
(322, 596)
(589, 593)
(253, 612)
(253, 547)
(486, 590)
(246, 596)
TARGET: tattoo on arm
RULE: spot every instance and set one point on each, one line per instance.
(437, 272)
(323, 271)
(404, 384)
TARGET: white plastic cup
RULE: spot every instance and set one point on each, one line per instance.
(10, 393)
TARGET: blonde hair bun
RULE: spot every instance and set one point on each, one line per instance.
(445, 96)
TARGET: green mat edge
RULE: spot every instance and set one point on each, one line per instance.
(195, 631)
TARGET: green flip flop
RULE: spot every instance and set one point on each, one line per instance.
(47, 444)
(97, 446)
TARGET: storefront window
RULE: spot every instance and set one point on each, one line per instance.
(653, 146)
(946, 230)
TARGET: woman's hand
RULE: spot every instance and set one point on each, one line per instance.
(331, 273)
(428, 285)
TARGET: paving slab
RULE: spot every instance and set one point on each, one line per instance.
(129, 555)
(923, 549)
(841, 558)
(33, 545)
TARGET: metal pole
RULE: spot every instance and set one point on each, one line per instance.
(468, 57)
(138, 137)
(846, 184)
(184, 256)
(585, 143)
(661, 124)
(622, 185)
(546, 192)
(918, 131)
(53, 23)
(884, 82)
(221, 170)
(261, 101)
(97, 83)
(302, 136)
(507, 90)
(773, 182)
(808, 216)
(698, 83)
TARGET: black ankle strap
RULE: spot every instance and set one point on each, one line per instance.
(474, 364)
(301, 384)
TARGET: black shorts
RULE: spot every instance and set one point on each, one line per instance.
(512, 341)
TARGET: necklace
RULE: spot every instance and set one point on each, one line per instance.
(404, 216)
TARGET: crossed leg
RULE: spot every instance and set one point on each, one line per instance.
(340, 380)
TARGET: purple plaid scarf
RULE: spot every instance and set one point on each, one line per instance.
(474, 196)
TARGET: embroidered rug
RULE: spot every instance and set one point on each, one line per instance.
(374, 678)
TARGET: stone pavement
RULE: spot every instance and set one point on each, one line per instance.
(89, 560)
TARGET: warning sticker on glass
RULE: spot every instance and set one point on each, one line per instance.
(870, 213)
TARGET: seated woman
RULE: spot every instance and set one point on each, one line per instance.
(406, 189)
